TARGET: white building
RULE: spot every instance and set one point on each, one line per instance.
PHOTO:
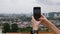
(56, 15)
(46, 14)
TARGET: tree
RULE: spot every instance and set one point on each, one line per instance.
(25, 18)
(14, 27)
(6, 28)
(26, 29)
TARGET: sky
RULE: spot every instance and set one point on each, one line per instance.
(26, 6)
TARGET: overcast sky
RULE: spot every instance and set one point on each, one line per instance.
(26, 6)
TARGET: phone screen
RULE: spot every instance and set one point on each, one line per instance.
(37, 13)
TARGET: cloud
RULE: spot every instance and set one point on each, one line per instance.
(50, 5)
(17, 6)
(26, 6)
(50, 2)
(46, 9)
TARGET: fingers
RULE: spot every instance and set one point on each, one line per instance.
(33, 18)
(42, 16)
(41, 19)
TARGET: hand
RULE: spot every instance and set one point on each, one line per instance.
(35, 24)
(43, 20)
(50, 25)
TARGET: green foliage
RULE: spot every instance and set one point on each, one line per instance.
(25, 18)
(51, 18)
(44, 29)
(58, 18)
(6, 28)
(14, 28)
(27, 29)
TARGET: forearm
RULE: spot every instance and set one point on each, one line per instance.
(51, 26)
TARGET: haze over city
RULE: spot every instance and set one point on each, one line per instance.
(26, 6)
(16, 16)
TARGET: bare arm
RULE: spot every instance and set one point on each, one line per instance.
(50, 25)
(35, 25)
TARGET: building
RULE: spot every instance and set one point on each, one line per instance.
(46, 14)
(54, 14)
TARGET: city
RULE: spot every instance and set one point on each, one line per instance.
(24, 20)
(16, 16)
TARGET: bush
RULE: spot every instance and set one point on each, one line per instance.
(6, 28)
(44, 29)
(27, 29)
(14, 28)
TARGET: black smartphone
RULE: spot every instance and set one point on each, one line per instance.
(37, 13)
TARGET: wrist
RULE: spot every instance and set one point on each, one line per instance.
(34, 32)
(35, 28)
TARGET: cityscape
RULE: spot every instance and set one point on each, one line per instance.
(16, 16)
(24, 20)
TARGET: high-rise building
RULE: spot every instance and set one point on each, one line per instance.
(52, 14)
(46, 14)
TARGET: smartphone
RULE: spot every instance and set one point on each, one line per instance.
(37, 13)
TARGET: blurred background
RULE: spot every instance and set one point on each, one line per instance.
(15, 15)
